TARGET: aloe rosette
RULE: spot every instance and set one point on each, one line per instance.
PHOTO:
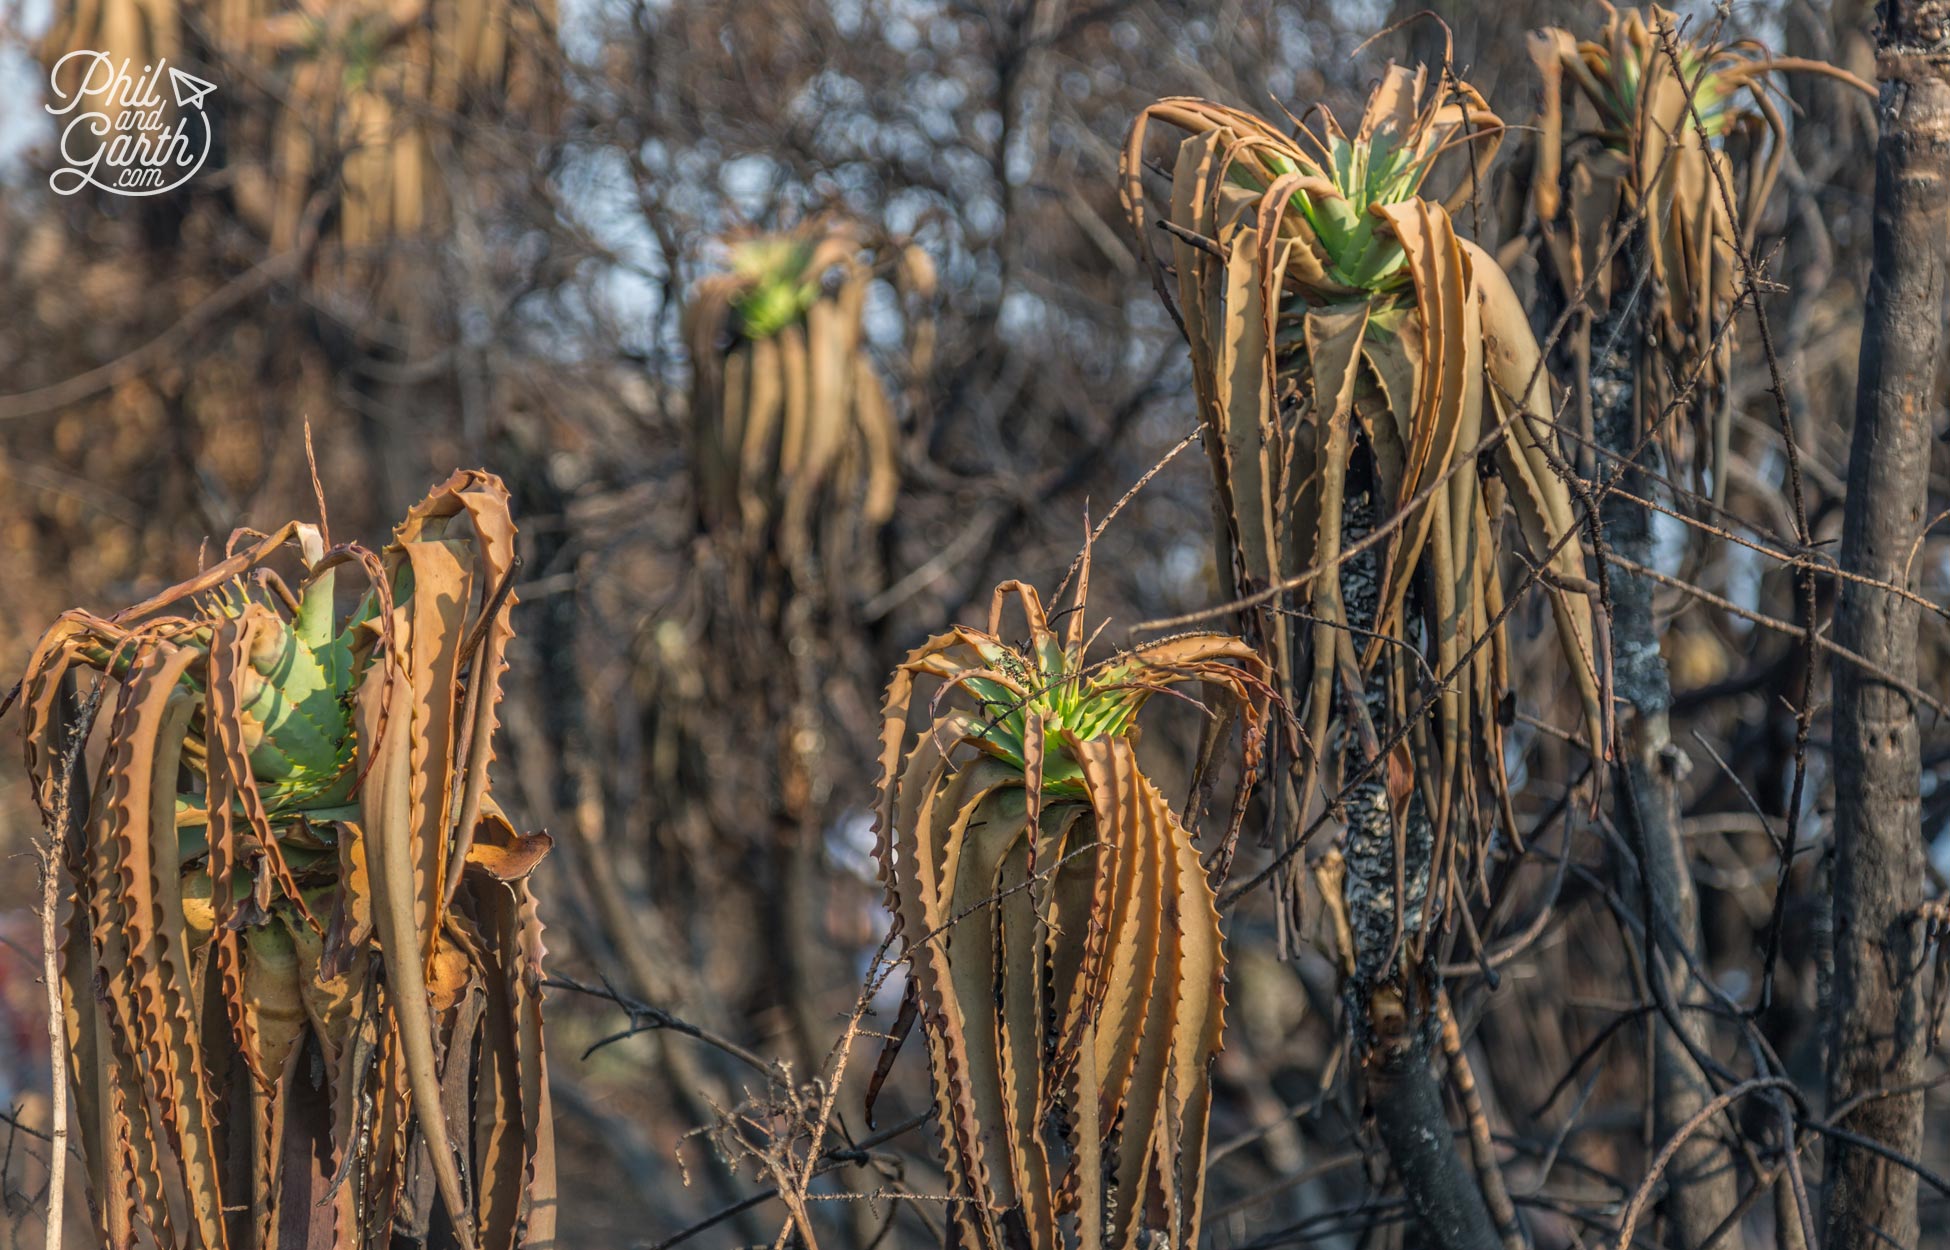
(796, 443)
(298, 897)
(1682, 133)
(1061, 936)
(1360, 367)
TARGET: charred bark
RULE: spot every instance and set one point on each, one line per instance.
(1701, 1188)
(1877, 1032)
(1392, 1001)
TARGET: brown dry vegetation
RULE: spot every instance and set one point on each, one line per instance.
(693, 703)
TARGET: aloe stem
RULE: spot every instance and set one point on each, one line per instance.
(1392, 1005)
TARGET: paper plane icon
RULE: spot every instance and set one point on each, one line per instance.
(189, 89)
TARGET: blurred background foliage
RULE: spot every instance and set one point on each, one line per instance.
(448, 233)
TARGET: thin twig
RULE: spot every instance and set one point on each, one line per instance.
(1787, 627)
(837, 1156)
(645, 1018)
(1650, 1184)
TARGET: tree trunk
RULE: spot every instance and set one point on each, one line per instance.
(1701, 1187)
(1877, 1034)
(1391, 1001)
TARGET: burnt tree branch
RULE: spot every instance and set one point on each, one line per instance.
(1877, 1033)
(1700, 1190)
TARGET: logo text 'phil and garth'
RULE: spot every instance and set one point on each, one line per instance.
(127, 140)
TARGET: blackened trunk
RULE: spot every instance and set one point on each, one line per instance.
(1701, 1187)
(1391, 1001)
(1877, 1031)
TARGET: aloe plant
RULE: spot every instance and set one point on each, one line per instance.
(299, 898)
(1645, 135)
(797, 444)
(363, 87)
(1061, 934)
(1352, 356)
(1373, 401)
